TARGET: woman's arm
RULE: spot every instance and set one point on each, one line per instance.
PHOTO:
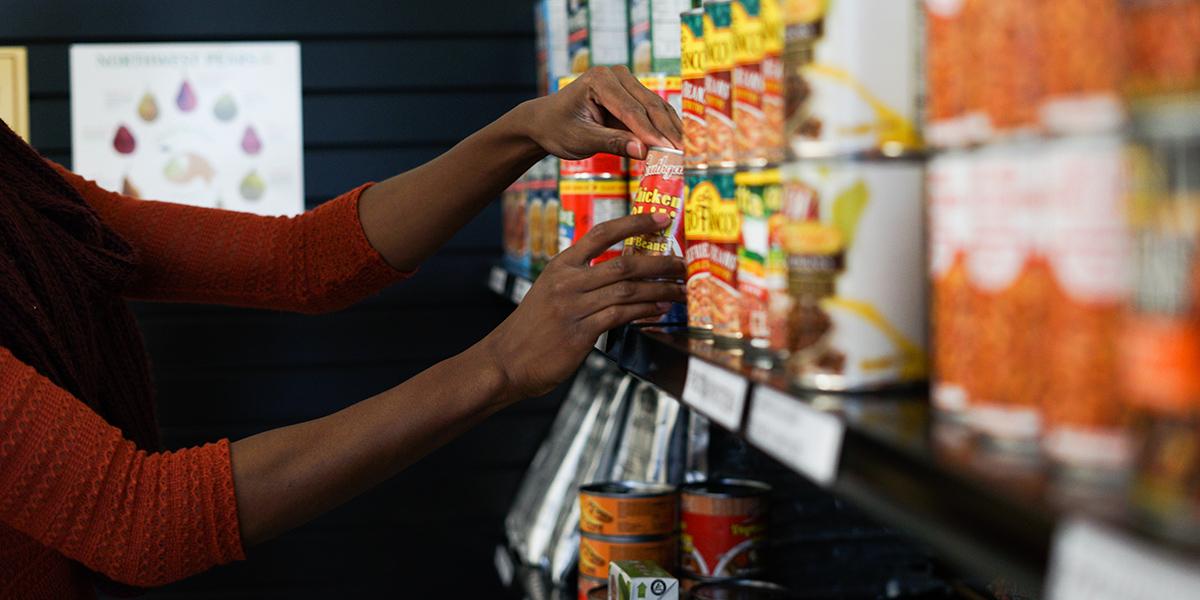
(408, 217)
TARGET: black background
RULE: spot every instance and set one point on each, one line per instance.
(387, 86)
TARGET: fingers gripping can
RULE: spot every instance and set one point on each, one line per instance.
(661, 190)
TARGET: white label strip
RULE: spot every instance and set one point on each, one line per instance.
(803, 438)
(1092, 562)
(520, 288)
(719, 394)
(496, 280)
(504, 565)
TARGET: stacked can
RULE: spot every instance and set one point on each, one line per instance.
(517, 237)
(723, 530)
(762, 264)
(625, 520)
(542, 213)
(853, 236)
(692, 63)
(597, 34)
(653, 47)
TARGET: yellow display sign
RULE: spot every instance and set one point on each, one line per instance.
(14, 90)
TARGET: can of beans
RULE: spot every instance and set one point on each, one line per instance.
(596, 552)
(947, 188)
(772, 73)
(856, 273)
(1080, 59)
(660, 191)
(748, 83)
(712, 226)
(1163, 55)
(590, 587)
(852, 78)
(695, 128)
(587, 202)
(669, 88)
(724, 527)
(762, 263)
(718, 83)
(628, 508)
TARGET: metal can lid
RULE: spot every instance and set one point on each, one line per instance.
(728, 488)
(627, 489)
(666, 150)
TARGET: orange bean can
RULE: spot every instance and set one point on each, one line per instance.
(712, 227)
(596, 552)
(749, 83)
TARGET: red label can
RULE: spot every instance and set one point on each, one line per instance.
(724, 527)
(718, 83)
(695, 129)
(586, 202)
(660, 190)
(598, 165)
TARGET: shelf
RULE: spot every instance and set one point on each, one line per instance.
(989, 512)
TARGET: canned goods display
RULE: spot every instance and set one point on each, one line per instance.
(1080, 63)
(724, 527)
(948, 184)
(852, 78)
(598, 34)
(856, 273)
(1163, 56)
(596, 552)
(748, 82)
(719, 144)
(762, 261)
(628, 508)
(712, 228)
(653, 35)
(550, 19)
(590, 587)
(585, 203)
(692, 68)
(661, 191)
(772, 73)
(548, 226)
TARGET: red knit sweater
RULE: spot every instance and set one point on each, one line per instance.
(71, 487)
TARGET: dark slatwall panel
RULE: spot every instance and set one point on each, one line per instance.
(387, 86)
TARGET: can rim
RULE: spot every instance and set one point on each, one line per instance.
(636, 489)
(666, 150)
(631, 539)
(745, 584)
(748, 488)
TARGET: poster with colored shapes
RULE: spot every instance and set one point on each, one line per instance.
(14, 90)
(205, 124)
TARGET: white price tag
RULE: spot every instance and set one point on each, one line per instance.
(504, 565)
(719, 394)
(496, 280)
(520, 288)
(1092, 562)
(802, 437)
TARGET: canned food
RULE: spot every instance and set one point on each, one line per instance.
(596, 552)
(949, 63)
(748, 82)
(1162, 50)
(587, 202)
(772, 73)
(741, 589)
(514, 204)
(712, 227)
(1080, 58)
(550, 18)
(856, 274)
(628, 508)
(669, 88)
(718, 84)
(1005, 95)
(1087, 247)
(692, 66)
(661, 191)
(549, 223)
(598, 34)
(724, 527)
(590, 588)
(762, 262)
(535, 216)
(948, 184)
(852, 80)
(652, 34)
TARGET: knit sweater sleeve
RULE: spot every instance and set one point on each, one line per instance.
(316, 262)
(69, 480)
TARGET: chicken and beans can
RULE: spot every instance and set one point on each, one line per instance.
(856, 273)
(587, 202)
(721, 148)
(669, 88)
(852, 78)
(692, 65)
(724, 527)
(713, 227)
(762, 262)
(628, 508)
(596, 552)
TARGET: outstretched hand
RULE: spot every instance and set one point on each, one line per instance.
(605, 110)
(543, 341)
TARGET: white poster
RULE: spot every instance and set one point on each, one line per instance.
(205, 124)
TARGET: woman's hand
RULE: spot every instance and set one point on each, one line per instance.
(605, 110)
(571, 304)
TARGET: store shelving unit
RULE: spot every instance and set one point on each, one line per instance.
(991, 512)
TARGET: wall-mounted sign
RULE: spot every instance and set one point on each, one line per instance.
(14, 90)
(205, 124)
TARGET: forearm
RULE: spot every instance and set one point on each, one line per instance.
(287, 476)
(409, 216)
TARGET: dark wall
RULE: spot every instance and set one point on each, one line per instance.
(387, 85)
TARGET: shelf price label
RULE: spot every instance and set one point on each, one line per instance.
(520, 288)
(1092, 562)
(719, 394)
(800, 436)
(496, 280)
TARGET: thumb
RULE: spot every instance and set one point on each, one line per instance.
(613, 141)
